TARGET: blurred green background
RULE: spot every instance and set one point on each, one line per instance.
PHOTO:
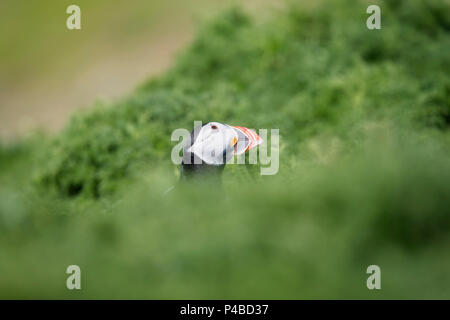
(48, 71)
(364, 176)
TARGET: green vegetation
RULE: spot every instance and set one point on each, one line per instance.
(364, 174)
(36, 42)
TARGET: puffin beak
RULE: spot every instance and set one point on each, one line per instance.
(233, 142)
(247, 139)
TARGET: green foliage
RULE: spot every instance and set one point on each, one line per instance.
(364, 173)
(307, 72)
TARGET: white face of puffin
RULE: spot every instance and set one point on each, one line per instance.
(214, 140)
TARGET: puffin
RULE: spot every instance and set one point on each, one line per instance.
(211, 146)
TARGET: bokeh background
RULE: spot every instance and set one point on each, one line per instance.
(86, 118)
(48, 71)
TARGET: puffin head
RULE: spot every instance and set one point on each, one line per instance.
(212, 145)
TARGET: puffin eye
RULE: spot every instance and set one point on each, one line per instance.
(214, 127)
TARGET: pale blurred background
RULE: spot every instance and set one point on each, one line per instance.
(48, 71)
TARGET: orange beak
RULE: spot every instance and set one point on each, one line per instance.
(247, 139)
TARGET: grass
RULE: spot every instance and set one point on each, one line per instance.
(364, 171)
(37, 42)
